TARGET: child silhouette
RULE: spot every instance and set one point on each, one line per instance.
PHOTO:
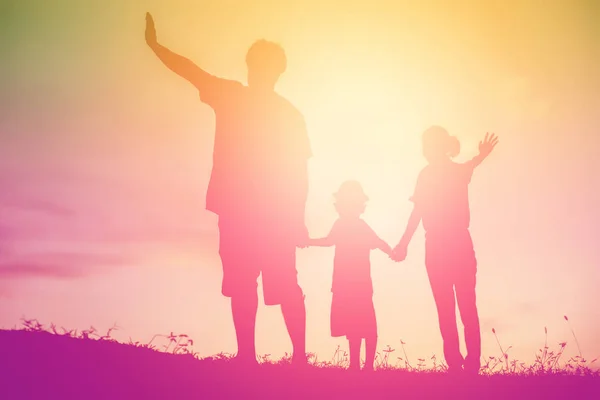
(352, 310)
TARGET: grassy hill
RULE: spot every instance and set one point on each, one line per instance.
(40, 364)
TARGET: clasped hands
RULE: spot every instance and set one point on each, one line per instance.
(399, 252)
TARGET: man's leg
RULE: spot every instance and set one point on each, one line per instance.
(240, 274)
(294, 314)
(465, 296)
(244, 310)
(443, 294)
(280, 286)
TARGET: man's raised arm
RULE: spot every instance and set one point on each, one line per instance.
(176, 63)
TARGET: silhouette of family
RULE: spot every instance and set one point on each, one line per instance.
(259, 186)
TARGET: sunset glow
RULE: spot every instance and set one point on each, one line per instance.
(105, 157)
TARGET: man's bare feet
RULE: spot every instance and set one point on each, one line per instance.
(244, 361)
(299, 361)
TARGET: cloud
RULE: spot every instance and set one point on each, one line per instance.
(59, 265)
(162, 235)
(19, 194)
(74, 210)
(46, 207)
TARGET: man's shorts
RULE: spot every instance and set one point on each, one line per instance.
(248, 249)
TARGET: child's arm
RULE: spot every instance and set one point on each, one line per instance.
(321, 242)
(386, 248)
(378, 243)
(328, 240)
(485, 148)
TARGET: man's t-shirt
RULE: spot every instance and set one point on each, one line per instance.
(260, 156)
(442, 196)
(353, 239)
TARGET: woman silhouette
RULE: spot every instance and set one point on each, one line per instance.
(441, 201)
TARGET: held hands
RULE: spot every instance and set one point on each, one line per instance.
(150, 30)
(387, 250)
(399, 253)
(487, 144)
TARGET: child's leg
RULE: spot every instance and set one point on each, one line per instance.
(354, 344)
(371, 336)
(371, 347)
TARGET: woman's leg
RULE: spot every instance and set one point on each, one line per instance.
(464, 282)
(465, 296)
(443, 294)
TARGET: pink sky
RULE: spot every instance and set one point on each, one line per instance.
(105, 157)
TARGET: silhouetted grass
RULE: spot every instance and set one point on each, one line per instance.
(38, 361)
(547, 361)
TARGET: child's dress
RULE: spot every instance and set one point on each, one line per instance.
(352, 310)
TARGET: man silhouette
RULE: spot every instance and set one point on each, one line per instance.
(258, 187)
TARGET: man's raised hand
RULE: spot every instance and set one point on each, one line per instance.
(150, 30)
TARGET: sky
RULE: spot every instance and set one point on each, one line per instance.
(105, 157)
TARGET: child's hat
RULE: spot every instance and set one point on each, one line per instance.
(351, 191)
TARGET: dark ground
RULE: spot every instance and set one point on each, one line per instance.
(48, 366)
